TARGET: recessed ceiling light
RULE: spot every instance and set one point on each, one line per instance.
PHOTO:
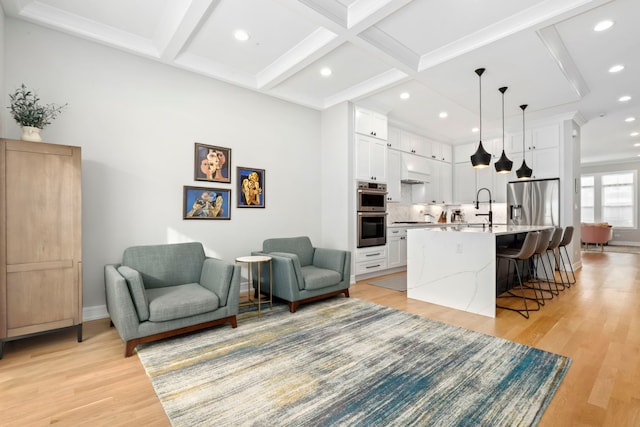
(443, 115)
(474, 130)
(405, 95)
(637, 144)
(603, 25)
(624, 98)
(616, 68)
(326, 71)
(630, 119)
(634, 134)
(241, 35)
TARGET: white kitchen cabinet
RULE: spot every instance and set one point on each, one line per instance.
(544, 163)
(371, 123)
(463, 153)
(394, 167)
(464, 182)
(439, 189)
(414, 144)
(440, 151)
(371, 159)
(447, 153)
(396, 247)
(370, 260)
(394, 138)
(446, 182)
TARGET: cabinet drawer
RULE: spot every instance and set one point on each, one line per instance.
(371, 266)
(371, 254)
(396, 232)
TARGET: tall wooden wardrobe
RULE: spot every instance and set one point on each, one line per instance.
(40, 239)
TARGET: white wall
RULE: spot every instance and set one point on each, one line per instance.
(337, 199)
(137, 121)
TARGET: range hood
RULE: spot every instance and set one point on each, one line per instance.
(414, 169)
(414, 177)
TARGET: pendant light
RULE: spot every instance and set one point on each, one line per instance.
(525, 171)
(504, 164)
(480, 159)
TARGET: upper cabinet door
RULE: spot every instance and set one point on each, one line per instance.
(371, 123)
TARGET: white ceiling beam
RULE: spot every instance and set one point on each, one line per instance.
(312, 48)
(553, 42)
(180, 22)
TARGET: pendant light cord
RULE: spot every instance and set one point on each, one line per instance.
(503, 121)
(480, 75)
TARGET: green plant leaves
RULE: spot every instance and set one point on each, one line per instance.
(27, 111)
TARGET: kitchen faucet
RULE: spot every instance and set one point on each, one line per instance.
(490, 214)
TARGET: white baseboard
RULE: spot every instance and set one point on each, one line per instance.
(623, 243)
(94, 313)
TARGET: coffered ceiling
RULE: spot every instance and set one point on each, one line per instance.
(545, 51)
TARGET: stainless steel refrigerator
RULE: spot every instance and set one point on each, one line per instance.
(534, 202)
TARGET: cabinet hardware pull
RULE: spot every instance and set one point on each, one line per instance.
(373, 266)
(376, 254)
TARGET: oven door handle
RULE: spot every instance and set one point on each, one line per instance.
(373, 213)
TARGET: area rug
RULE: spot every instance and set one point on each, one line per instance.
(397, 283)
(348, 362)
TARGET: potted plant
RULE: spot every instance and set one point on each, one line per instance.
(30, 114)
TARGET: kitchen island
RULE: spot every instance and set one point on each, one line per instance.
(456, 266)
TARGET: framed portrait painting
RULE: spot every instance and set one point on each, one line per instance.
(206, 203)
(212, 163)
(250, 187)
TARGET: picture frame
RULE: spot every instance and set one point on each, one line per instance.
(206, 203)
(212, 163)
(250, 187)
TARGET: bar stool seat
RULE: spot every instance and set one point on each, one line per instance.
(512, 256)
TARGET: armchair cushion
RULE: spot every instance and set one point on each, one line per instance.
(318, 278)
(176, 302)
(301, 246)
(137, 290)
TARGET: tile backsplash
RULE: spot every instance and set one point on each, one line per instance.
(399, 212)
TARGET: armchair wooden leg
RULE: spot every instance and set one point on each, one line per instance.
(293, 306)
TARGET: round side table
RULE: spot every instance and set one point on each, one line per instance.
(259, 260)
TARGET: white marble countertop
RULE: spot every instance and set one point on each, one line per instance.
(497, 229)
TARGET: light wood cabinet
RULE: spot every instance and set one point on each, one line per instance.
(40, 241)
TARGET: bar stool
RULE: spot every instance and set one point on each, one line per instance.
(538, 261)
(553, 245)
(566, 239)
(524, 253)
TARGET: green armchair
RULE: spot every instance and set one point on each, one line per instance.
(165, 290)
(302, 273)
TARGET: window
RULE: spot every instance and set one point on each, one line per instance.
(587, 184)
(609, 197)
(617, 199)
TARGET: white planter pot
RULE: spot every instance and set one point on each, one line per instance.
(29, 133)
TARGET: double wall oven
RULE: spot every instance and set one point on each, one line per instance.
(371, 203)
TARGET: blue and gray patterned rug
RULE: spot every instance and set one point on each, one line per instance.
(348, 362)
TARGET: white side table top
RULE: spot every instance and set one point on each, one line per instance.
(253, 258)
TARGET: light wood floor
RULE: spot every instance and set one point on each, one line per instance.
(51, 379)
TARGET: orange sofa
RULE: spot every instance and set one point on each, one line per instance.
(598, 234)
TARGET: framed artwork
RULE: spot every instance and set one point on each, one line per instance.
(250, 187)
(212, 163)
(206, 203)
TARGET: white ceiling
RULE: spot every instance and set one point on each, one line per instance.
(545, 51)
